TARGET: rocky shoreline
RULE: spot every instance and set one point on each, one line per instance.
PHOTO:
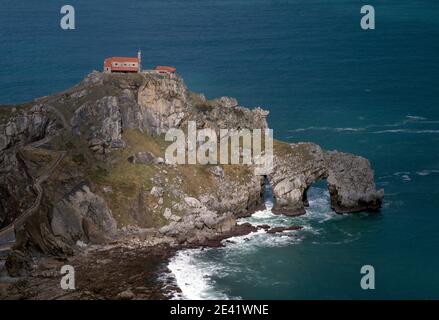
(134, 267)
(82, 175)
(109, 272)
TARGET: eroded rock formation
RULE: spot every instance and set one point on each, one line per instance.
(113, 176)
(349, 178)
(351, 183)
(296, 167)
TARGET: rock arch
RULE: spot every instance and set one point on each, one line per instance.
(350, 179)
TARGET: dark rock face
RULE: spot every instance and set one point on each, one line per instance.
(24, 127)
(55, 230)
(18, 263)
(13, 197)
(35, 235)
(237, 231)
(351, 183)
(103, 122)
(82, 216)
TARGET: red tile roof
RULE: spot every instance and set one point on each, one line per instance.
(124, 59)
(108, 61)
(166, 68)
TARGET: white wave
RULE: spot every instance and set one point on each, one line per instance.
(266, 217)
(405, 131)
(426, 172)
(415, 118)
(349, 129)
(298, 130)
(399, 127)
(193, 276)
(194, 273)
(168, 279)
(327, 129)
(260, 239)
(341, 129)
(318, 211)
(391, 131)
(400, 173)
(419, 119)
(404, 175)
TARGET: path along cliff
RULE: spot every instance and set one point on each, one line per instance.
(7, 234)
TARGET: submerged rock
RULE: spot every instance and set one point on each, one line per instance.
(282, 229)
(237, 231)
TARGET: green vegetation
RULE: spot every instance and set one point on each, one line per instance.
(301, 151)
(203, 107)
(6, 111)
(78, 158)
(131, 183)
(37, 159)
(130, 199)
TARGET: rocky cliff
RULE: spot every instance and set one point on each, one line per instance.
(112, 177)
(349, 178)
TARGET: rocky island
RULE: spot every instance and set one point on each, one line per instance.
(83, 181)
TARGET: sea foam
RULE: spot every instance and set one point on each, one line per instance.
(195, 270)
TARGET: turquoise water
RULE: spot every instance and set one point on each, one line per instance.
(373, 93)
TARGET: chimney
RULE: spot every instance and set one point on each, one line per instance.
(139, 57)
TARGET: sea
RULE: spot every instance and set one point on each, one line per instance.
(323, 78)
